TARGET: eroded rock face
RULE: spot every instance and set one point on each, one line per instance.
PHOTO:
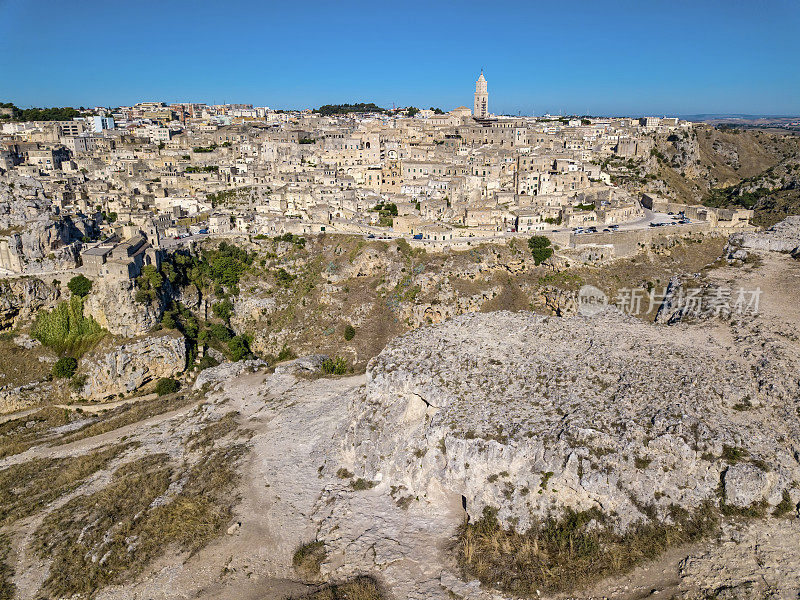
(534, 414)
(21, 298)
(781, 237)
(114, 368)
(112, 304)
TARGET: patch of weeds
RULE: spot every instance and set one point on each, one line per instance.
(334, 366)
(754, 511)
(7, 588)
(361, 484)
(308, 558)
(360, 588)
(732, 454)
(785, 506)
(642, 463)
(343, 473)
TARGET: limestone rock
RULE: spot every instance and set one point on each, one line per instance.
(533, 414)
(781, 237)
(112, 304)
(746, 484)
(306, 364)
(121, 366)
(226, 372)
(22, 297)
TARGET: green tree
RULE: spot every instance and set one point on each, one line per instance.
(540, 248)
(349, 332)
(80, 286)
(65, 367)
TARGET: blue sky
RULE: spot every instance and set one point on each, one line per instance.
(622, 57)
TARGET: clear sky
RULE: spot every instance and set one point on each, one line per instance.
(597, 57)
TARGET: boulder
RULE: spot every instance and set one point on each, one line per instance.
(534, 415)
(227, 371)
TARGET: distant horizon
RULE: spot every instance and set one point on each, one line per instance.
(619, 57)
(705, 115)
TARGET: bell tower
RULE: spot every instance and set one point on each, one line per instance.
(481, 108)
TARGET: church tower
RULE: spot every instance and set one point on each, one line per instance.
(481, 98)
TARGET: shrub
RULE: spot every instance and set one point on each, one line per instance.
(334, 366)
(207, 361)
(239, 348)
(286, 353)
(167, 385)
(349, 332)
(361, 484)
(220, 332)
(80, 285)
(65, 367)
(223, 310)
(283, 277)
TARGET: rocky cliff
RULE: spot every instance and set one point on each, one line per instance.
(112, 304)
(21, 298)
(117, 367)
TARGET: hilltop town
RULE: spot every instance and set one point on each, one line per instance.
(174, 172)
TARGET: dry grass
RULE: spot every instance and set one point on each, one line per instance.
(204, 438)
(308, 558)
(112, 535)
(130, 413)
(571, 552)
(27, 487)
(21, 366)
(360, 588)
(18, 435)
(7, 587)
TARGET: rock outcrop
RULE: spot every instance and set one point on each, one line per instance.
(533, 415)
(781, 237)
(22, 297)
(113, 305)
(121, 366)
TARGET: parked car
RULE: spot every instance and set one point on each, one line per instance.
(418, 236)
(203, 231)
